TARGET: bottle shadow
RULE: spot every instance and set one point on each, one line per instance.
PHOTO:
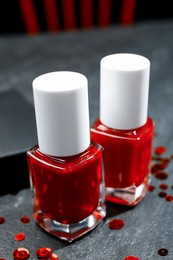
(113, 210)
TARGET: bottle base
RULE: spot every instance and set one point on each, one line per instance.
(70, 232)
(128, 196)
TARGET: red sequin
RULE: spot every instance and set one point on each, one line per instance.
(169, 198)
(131, 257)
(159, 166)
(163, 186)
(19, 237)
(2, 220)
(151, 188)
(21, 253)
(161, 175)
(2, 258)
(43, 252)
(116, 223)
(25, 219)
(160, 150)
(54, 257)
(163, 251)
(162, 194)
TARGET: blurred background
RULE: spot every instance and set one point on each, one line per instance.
(35, 16)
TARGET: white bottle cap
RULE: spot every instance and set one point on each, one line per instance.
(124, 87)
(62, 113)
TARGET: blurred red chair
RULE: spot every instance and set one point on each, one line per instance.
(72, 14)
(35, 16)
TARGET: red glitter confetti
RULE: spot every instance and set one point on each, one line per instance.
(162, 194)
(165, 162)
(155, 168)
(116, 223)
(43, 252)
(151, 188)
(163, 251)
(160, 150)
(163, 186)
(25, 220)
(131, 257)
(2, 258)
(19, 237)
(159, 166)
(2, 220)
(169, 198)
(161, 175)
(21, 253)
(53, 257)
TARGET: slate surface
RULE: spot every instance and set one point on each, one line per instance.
(17, 135)
(148, 226)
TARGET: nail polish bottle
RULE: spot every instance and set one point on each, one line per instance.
(65, 168)
(123, 129)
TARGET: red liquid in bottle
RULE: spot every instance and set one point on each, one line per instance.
(66, 190)
(127, 156)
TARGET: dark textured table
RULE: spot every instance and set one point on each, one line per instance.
(148, 226)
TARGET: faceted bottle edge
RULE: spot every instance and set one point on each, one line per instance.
(70, 232)
(129, 196)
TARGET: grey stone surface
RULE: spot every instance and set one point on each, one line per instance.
(148, 226)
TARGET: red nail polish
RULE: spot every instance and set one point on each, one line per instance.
(123, 130)
(65, 170)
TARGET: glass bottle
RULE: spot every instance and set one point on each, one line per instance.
(123, 129)
(65, 168)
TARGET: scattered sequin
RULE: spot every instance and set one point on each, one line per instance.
(53, 257)
(2, 220)
(164, 162)
(151, 188)
(116, 223)
(169, 198)
(160, 150)
(163, 251)
(19, 237)
(163, 186)
(161, 175)
(21, 253)
(43, 252)
(159, 166)
(131, 257)
(162, 194)
(25, 220)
